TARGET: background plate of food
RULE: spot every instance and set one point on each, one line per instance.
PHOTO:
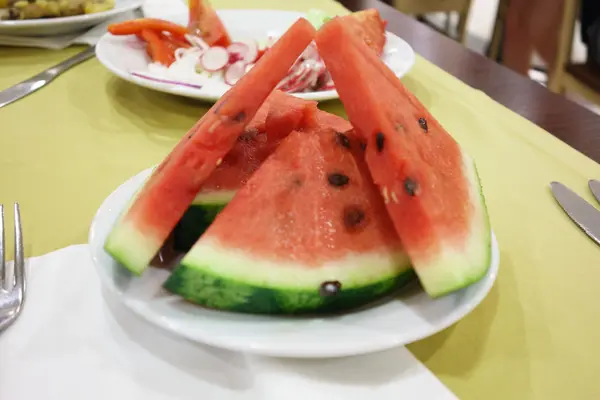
(201, 54)
(57, 17)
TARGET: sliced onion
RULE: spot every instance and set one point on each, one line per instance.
(214, 59)
(234, 72)
(197, 41)
(168, 81)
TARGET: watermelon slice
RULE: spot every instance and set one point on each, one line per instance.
(430, 185)
(204, 22)
(308, 233)
(279, 115)
(368, 25)
(145, 225)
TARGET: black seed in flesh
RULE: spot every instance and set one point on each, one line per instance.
(411, 187)
(248, 135)
(342, 140)
(363, 146)
(423, 124)
(297, 182)
(239, 117)
(354, 218)
(379, 141)
(337, 180)
(330, 288)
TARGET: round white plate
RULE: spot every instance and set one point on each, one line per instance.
(64, 25)
(409, 316)
(124, 54)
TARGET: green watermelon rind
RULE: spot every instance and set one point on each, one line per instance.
(455, 269)
(231, 280)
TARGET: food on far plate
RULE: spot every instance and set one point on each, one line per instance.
(205, 23)
(280, 114)
(429, 183)
(143, 228)
(203, 53)
(35, 9)
(308, 232)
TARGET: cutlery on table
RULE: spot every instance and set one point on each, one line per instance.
(40, 80)
(12, 291)
(586, 216)
(594, 186)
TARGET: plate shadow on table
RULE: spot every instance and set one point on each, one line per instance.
(148, 108)
(467, 339)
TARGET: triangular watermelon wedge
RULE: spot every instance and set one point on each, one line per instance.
(429, 184)
(162, 201)
(308, 232)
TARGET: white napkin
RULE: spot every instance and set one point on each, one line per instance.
(89, 37)
(70, 343)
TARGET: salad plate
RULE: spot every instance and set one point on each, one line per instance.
(126, 56)
(64, 25)
(408, 316)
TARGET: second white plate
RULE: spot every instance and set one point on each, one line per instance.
(409, 316)
(124, 54)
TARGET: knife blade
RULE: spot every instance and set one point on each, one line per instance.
(594, 185)
(586, 216)
(40, 80)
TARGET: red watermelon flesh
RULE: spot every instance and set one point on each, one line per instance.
(308, 220)
(368, 26)
(429, 184)
(204, 22)
(279, 115)
(145, 225)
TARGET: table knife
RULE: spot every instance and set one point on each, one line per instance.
(34, 83)
(594, 185)
(586, 216)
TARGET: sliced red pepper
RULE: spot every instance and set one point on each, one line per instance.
(135, 26)
(158, 48)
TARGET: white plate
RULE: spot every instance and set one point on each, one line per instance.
(408, 317)
(124, 54)
(64, 25)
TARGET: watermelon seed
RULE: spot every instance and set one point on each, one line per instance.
(354, 217)
(342, 140)
(384, 193)
(297, 182)
(423, 124)
(219, 161)
(338, 180)
(214, 126)
(411, 187)
(248, 135)
(330, 288)
(399, 127)
(379, 140)
(239, 117)
(394, 198)
(363, 146)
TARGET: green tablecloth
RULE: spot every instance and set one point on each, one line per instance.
(66, 147)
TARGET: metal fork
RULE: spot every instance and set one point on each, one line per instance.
(12, 283)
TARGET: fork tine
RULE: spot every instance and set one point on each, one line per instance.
(19, 269)
(3, 274)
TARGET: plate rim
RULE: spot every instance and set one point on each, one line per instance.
(196, 94)
(375, 346)
(38, 22)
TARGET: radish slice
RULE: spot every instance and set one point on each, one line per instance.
(197, 42)
(235, 72)
(237, 51)
(252, 50)
(214, 59)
